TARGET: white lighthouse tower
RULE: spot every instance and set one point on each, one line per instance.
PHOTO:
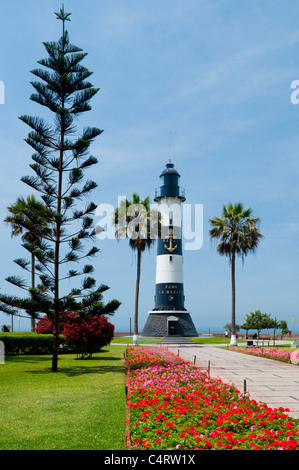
(169, 317)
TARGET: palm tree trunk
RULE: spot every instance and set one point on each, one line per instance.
(32, 285)
(233, 333)
(137, 291)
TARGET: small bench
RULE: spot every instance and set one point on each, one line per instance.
(265, 339)
(249, 344)
(261, 341)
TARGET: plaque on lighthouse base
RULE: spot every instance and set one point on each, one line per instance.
(169, 323)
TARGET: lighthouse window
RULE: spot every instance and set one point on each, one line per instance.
(170, 258)
(170, 217)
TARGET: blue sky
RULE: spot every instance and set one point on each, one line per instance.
(217, 75)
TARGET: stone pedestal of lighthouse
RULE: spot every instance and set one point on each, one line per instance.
(169, 317)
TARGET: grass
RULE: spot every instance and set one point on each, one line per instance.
(223, 340)
(129, 340)
(79, 407)
(211, 340)
(206, 340)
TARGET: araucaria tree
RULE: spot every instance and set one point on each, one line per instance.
(238, 235)
(61, 155)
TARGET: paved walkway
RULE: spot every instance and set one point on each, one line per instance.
(272, 382)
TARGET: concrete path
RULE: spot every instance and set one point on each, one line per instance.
(272, 382)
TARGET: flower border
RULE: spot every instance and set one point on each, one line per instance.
(173, 405)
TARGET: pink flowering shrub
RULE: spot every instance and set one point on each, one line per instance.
(88, 336)
(173, 405)
(294, 357)
(45, 326)
(277, 354)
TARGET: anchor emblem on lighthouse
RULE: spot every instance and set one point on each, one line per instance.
(170, 248)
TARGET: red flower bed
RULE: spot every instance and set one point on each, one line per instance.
(173, 405)
(276, 354)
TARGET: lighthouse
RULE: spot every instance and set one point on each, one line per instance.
(169, 317)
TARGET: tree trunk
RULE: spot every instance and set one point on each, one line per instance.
(32, 285)
(233, 294)
(233, 335)
(57, 242)
(57, 247)
(137, 291)
(55, 343)
(56, 271)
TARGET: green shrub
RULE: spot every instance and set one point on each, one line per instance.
(29, 343)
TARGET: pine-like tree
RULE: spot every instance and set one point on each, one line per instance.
(60, 157)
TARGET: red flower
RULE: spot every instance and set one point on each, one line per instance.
(208, 444)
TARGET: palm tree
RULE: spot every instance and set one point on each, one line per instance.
(137, 221)
(238, 234)
(29, 218)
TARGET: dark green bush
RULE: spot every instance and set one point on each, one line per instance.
(29, 343)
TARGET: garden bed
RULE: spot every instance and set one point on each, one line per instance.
(173, 405)
(276, 354)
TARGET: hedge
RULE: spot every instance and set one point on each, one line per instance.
(29, 343)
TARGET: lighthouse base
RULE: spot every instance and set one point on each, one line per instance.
(169, 323)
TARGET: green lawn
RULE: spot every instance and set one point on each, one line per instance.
(82, 406)
(129, 340)
(211, 340)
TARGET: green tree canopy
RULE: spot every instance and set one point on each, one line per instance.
(283, 326)
(259, 321)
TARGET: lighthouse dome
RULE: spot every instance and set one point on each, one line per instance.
(170, 170)
(170, 184)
